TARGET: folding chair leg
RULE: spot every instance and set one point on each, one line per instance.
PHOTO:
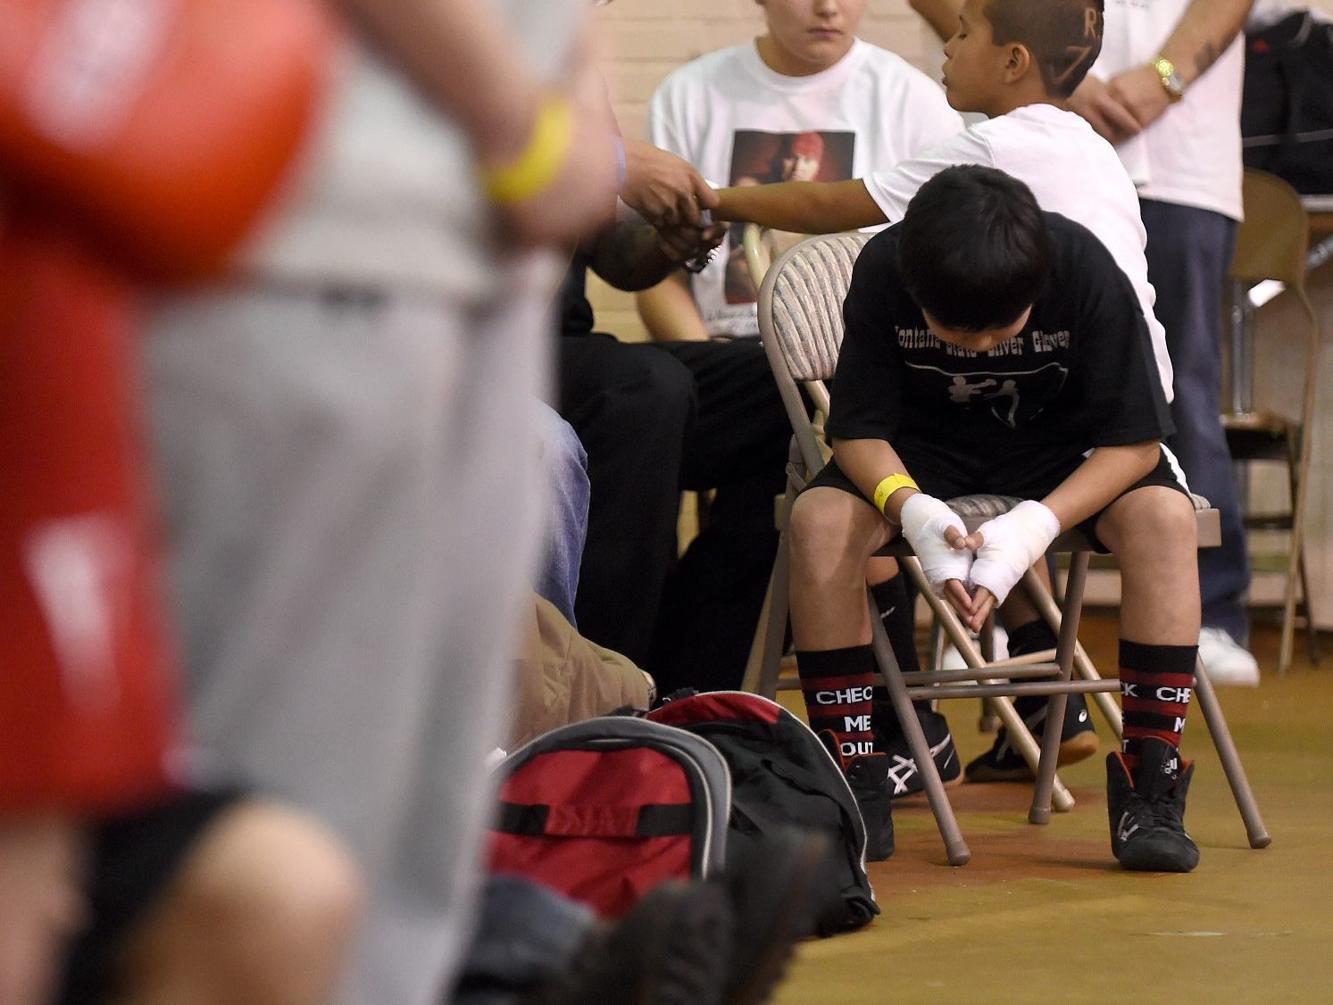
(765, 660)
(1019, 734)
(1311, 630)
(754, 663)
(955, 848)
(1040, 812)
(1231, 762)
(1050, 612)
(1288, 639)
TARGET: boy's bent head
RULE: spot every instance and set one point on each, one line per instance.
(1002, 42)
(973, 252)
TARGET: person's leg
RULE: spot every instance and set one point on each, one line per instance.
(1151, 530)
(737, 447)
(1188, 254)
(631, 406)
(261, 911)
(832, 534)
(211, 896)
(1028, 632)
(566, 465)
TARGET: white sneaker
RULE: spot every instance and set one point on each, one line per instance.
(1227, 662)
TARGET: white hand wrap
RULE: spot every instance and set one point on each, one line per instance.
(1011, 544)
(925, 519)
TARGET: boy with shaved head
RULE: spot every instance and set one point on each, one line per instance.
(1016, 61)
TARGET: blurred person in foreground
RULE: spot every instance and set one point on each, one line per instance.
(346, 441)
(122, 877)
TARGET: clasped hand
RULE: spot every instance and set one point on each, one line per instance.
(975, 572)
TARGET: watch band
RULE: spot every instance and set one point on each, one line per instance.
(1172, 82)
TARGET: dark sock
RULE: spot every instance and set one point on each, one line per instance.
(897, 616)
(1031, 638)
(897, 613)
(837, 684)
(1156, 684)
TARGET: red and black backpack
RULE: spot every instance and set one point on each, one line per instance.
(605, 810)
(783, 776)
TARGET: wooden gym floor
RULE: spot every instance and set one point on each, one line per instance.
(1044, 914)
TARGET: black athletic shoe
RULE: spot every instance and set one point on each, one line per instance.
(1003, 762)
(1147, 812)
(674, 948)
(904, 779)
(868, 777)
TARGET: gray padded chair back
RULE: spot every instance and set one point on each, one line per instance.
(800, 324)
(801, 300)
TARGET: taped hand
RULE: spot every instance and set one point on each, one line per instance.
(926, 524)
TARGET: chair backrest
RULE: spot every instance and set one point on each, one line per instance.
(1272, 242)
(800, 323)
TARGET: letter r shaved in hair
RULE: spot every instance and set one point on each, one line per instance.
(1063, 36)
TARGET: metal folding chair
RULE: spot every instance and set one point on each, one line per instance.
(800, 322)
(1271, 246)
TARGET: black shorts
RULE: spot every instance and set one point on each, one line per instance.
(946, 475)
(134, 857)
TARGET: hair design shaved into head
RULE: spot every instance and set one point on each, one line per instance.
(1064, 36)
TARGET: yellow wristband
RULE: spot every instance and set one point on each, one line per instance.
(891, 485)
(536, 167)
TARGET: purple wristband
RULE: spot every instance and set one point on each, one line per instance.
(622, 165)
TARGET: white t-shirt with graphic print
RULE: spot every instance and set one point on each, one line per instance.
(1191, 155)
(1070, 170)
(739, 122)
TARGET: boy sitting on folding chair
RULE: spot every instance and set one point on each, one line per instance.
(994, 348)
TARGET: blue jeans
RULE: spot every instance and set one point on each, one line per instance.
(525, 934)
(1188, 253)
(565, 465)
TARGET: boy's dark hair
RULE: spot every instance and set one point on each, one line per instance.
(973, 248)
(1064, 36)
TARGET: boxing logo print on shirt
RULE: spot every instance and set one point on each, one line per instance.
(1014, 398)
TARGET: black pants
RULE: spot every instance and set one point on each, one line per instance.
(656, 419)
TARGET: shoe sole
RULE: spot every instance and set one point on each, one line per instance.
(1073, 750)
(1141, 857)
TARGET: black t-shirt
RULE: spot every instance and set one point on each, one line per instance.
(1079, 375)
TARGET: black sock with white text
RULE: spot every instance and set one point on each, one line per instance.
(837, 684)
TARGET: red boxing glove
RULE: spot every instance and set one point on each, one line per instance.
(84, 721)
(162, 126)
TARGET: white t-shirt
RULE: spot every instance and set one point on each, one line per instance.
(1070, 170)
(1191, 155)
(739, 122)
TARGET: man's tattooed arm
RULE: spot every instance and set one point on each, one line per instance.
(1204, 32)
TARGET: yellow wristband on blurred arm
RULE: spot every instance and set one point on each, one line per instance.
(536, 168)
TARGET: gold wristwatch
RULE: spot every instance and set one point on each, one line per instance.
(1172, 82)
